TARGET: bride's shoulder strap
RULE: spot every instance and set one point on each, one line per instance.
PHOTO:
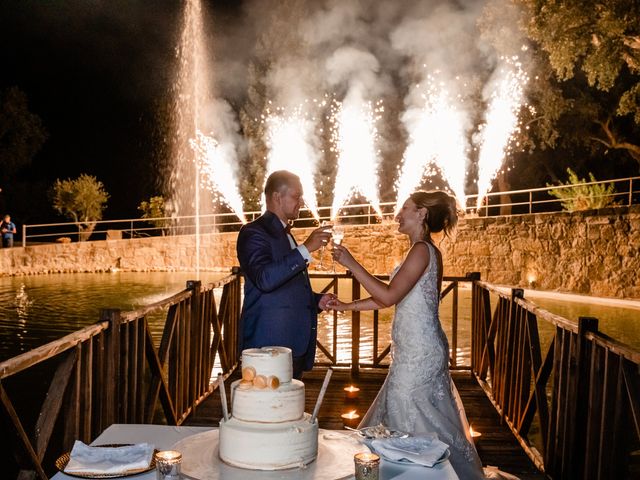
(428, 244)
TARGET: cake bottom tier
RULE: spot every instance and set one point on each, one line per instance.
(268, 446)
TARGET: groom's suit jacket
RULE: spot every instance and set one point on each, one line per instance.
(279, 306)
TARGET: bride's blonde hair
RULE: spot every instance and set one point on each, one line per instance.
(442, 211)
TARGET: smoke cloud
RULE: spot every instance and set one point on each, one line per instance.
(365, 50)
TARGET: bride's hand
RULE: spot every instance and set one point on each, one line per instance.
(341, 255)
(336, 304)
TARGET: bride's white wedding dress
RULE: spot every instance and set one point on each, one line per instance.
(418, 395)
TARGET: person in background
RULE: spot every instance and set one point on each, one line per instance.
(8, 229)
(279, 308)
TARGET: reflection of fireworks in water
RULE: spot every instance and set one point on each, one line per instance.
(436, 138)
(292, 147)
(354, 136)
(216, 162)
(501, 122)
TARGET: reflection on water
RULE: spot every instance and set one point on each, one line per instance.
(37, 309)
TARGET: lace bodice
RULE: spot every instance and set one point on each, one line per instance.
(418, 395)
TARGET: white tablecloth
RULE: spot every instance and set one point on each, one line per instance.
(165, 437)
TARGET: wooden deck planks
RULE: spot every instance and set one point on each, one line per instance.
(498, 446)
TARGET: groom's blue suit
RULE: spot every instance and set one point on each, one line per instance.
(279, 306)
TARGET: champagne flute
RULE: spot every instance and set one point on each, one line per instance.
(336, 237)
(324, 223)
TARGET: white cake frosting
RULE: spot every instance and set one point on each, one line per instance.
(284, 404)
(268, 446)
(268, 429)
(270, 361)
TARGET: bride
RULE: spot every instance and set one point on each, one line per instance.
(418, 394)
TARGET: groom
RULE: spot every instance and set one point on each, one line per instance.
(279, 306)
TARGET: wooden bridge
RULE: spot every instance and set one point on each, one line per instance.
(551, 397)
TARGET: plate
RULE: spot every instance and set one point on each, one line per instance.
(372, 433)
(63, 460)
(408, 463)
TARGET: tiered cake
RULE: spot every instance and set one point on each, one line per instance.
(268, 429)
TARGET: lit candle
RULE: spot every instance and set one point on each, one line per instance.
(168, 465)
(367, 466)
(351, 391)
(475, 435)
(350, 419)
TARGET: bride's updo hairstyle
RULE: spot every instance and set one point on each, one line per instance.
(442, 211)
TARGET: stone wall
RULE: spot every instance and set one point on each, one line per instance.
(595, 252)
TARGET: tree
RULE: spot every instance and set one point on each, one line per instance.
(155, 209)
(594, 54)
(21, 137)
(21, 133)
(82, 200)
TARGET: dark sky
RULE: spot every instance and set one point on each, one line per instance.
(95, 72)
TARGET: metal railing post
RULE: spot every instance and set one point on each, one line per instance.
(24, 236)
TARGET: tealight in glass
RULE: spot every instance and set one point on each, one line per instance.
(367, 466)
(168, 463)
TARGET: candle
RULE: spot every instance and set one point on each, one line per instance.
(168, 465)
(475, 435)
(350, 419)
(351, 391)
(367, 466)
(223, 397)
(323, 389)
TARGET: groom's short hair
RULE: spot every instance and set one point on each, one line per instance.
(279, 180)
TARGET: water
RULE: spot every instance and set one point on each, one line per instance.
(35, 310)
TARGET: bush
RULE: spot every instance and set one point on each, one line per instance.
(584, 197)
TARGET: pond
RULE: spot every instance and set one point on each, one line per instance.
(37, 309)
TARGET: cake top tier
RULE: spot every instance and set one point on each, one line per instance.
(269, 361)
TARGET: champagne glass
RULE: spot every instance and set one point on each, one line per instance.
(336, 237)
(324, 223)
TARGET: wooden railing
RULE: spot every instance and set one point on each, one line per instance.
(578, 387)
(114, 372)
(380, 352)
(574, 389)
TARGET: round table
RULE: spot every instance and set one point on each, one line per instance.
(335, 459)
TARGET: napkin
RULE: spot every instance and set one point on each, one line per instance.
(113, 460)
(424, 449)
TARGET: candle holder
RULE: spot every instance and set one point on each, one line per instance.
(351, 392)
(367, 466)
(350, 419)
(168, 465)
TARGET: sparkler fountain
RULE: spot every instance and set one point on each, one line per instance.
(437, 141)
(293, 147)
(355, 136)
(501, 121)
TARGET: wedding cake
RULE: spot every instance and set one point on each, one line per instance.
(268, 428)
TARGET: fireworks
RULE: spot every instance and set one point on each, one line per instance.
(501, 121)
(293, 147)
(216, 162)
(354, 136)
(437, 142)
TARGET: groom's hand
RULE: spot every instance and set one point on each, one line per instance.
(318, 238)
(325, 299)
